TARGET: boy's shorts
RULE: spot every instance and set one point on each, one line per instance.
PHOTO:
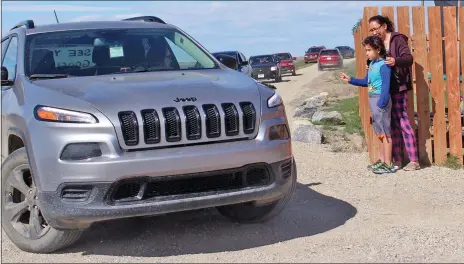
(381, 119)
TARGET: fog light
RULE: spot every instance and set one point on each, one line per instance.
(279, 132)
(81, 151)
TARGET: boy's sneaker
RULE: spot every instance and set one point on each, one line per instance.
(375, 165)
(384, 168)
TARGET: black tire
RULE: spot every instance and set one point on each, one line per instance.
(47, 239)
(294, 73)
(319, 68)
(249, 213)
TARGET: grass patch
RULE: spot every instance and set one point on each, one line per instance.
(349, 69)
(453, 162)
(300, 64)
(349, 109)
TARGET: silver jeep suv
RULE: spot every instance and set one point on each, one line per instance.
(117, 119)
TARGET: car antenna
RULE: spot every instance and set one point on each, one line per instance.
(56, 17)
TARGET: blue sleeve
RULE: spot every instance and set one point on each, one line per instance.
(385, 73)
(359, 82)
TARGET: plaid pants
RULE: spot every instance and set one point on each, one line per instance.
(401, 130)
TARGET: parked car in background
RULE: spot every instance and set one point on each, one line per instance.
(265, 67)
(242, 65)
(329, 58)
(346, 51)
(286, 62)
(312, 53)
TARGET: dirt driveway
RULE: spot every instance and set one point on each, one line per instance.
(340, 213)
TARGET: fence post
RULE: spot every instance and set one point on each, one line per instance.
(422, 87)
(452, 82)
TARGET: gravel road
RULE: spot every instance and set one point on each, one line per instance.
(340, 213)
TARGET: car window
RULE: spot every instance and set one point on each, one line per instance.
(261, 59)
(314, 50)
(242, 57)
(284, 56)
(109, 51)
(329, 52)
(10, 59)
(4, 46)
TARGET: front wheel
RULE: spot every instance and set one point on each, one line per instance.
(250, 213)
(22, 219)
(294, 73)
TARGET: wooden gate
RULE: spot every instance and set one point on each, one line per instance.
(434, 105)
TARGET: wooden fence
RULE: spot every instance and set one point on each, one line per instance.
(435, 114)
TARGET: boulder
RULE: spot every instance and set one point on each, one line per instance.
(305, 112)
(305, 131)
(316, 101)
(331, 117)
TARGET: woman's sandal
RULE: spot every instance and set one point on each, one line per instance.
(412, 166)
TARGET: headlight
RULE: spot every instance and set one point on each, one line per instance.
(274, 101)
(290, 63)
(46, 113)
(273, 68)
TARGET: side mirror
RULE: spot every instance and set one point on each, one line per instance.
(244, 63)
(294, 58)
(227, 60)
(4, 74)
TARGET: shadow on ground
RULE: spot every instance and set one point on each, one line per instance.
(205, 231)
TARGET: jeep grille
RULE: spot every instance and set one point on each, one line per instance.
(188, 118)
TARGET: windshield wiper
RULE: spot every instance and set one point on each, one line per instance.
(48, 76)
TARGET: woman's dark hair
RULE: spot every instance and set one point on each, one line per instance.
(383, 21)
(376, 43)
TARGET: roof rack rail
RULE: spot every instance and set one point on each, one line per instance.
(27, 23)
(146, 19)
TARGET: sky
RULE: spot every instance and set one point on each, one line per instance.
(252, 27)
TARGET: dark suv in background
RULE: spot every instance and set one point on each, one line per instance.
(346, 52)
(242, 65)
(266, 67)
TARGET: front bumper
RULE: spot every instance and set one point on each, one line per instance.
(264, 75)
(287, 69)
(99, 205)
(331, 64)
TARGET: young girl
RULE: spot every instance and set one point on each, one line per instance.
(378, 82)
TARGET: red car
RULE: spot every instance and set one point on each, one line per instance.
(330, 58)
(312, 53)
(286, 62)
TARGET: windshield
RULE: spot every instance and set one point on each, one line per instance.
(329, 52)
(284, 56)
(261, 59)
(314, 50)
(233, 54)
(108, 51)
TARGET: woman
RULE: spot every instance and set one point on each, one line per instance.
(400, 59)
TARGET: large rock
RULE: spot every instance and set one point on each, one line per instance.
(305, 112)
(331, 117)
(316, 101)
(305, 131)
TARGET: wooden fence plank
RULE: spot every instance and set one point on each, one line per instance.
(404, 27)
(452, 81)
(437, 85)
(368, 13)
(422, 88)
(389, 11)
(461, 44)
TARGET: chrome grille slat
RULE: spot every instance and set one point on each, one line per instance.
(172, 123)
(192, 122)
(249, 117)
(231, 119)
(151, 126)
(130, 127)
(213, 121)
